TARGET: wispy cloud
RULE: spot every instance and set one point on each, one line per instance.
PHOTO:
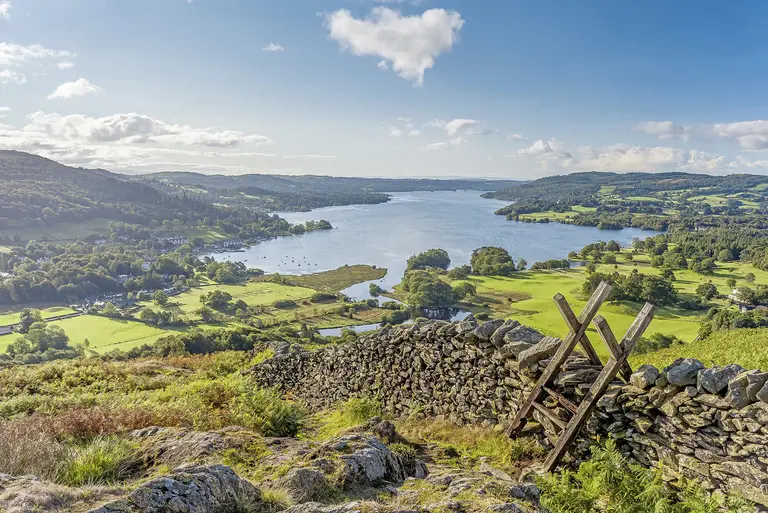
(272, 47)
(5, 10)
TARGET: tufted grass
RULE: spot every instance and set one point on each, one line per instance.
(106, 460)
(351, 413)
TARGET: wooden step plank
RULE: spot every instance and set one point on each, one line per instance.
(562, 400)
(552, 416)
(565, 439)
(565, 349)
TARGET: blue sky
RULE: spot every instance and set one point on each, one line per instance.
(387, 88)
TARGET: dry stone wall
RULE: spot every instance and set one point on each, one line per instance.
(707, 424)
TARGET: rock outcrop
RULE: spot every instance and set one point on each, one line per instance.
(708, 424)
(191, 489)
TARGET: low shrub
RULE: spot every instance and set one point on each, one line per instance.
(284, 304)
(102, 461)
(267, 413)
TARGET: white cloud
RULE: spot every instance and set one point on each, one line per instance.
(554, 155)
(409, 43)
(517, 137)
(444, 145)
(701, 162)
(134, 128)
(8, 75)
(5, 109)
(79, 87)
(309, 157)
(383, 65)
(393, 131)
(454, 126)
(65, 65)
(272, 47)
(5, 10)
(414, 133)
(750, 135)
(14, 56)
(131, 142)
(665, 130)
(542, 147)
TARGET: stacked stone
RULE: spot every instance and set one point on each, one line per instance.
(707, 424)
(464, 372)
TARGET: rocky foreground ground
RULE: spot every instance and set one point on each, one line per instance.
(366, 469)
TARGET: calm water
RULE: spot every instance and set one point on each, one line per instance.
(386, 235)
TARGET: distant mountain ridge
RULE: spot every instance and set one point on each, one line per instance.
(317, 183)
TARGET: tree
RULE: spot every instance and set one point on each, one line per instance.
(110, 310)
(465, 289)
(374, 290)
(522, 264)
(437, 258)
(725, 255)
(207, 315)
(750, 277)
(459, 273)
(609, 258)
(706, 290)
(426, 290)
(730, 283)
(492, 261)
(27, 318)
(218, 299)
(160, 298)
(668, 274)
(40, 338)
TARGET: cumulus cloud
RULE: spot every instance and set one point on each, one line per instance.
(542, 147)
(702, 162)
(15, 57)
(79, 87)
(132, 142)
(5, 10)
(665, 130)
(272, 47)
(393, 131)
(134, 129)
(65, 65)
(409, 43)
(750, 135)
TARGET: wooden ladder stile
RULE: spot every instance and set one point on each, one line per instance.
(616, 364)
(565, 349)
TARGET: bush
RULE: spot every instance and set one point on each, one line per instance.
(284, 304)
(492, 261)
(265, 412)
(655, 342)
(395, 317)
(609, 483)
(320, 297)
(465, 289)
(437, 258)
(103, 461)
(459, 273)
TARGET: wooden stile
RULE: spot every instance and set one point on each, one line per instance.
(616, 364)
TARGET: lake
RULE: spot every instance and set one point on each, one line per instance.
(387, 234)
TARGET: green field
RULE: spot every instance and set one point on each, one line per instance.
(527, 296)
(253, 293)
(335, 280)
(11, 315)
(747, 347)
(531, 293)
(103, 334)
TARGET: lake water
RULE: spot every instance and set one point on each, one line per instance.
(387, 234)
